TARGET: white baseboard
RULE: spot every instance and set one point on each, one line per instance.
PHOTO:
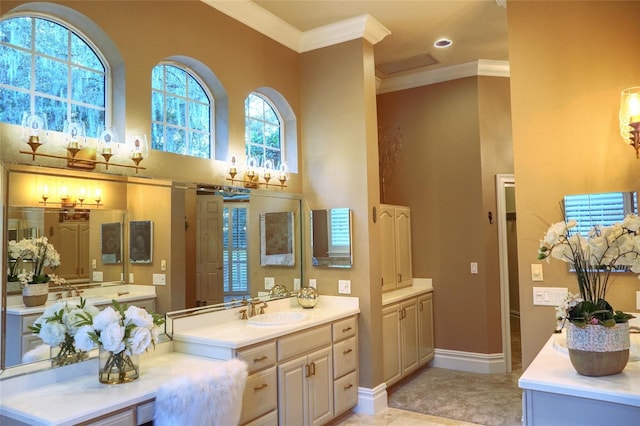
(469, 361)
(372, 401)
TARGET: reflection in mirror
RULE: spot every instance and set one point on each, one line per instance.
(603, 209)
(331, 238)
(276, 239)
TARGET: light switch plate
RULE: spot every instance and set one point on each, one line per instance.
(269, 282)
(536, 272)
(549, 296)
(312, 282)
(159, 279)
(97, 276)
(344, 286)
(474, 267)
(296, 283)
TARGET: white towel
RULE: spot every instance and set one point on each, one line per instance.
(205, 398)
(39, 353)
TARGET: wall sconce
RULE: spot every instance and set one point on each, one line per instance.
(630, 117)
(68, 200)
(34, 130)
(138, 148)
(253, 173)
(34, 133)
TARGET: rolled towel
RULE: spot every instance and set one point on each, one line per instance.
(205, 398)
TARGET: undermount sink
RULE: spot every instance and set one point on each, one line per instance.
(278, 318)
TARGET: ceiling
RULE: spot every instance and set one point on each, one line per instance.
(478, 28)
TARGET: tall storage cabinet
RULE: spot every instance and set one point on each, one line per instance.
(395, 242)
(400, 333)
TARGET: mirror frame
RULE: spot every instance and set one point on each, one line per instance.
(330, 261)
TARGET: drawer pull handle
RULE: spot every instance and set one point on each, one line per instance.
(307, 370)
(262, 386)
(344, 330)
(349, 386)
(347, 351)
(262, 358)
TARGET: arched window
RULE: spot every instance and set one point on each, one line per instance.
(263, 130)
(181, 112)
(48, 67)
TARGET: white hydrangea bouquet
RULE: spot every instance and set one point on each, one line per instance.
(57, 327)
(121, 332)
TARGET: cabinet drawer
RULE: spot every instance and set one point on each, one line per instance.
(345, 393)
(344, 328)
(144, 412)
(304, 342)
(259, 357)
(345, 357)
(270, 419)
(28, 321)
(260, 394)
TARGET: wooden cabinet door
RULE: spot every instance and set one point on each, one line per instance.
(426, 346)
(409, 335)
(386, 221)
(320, 384)
(292, 392)
(392, 368)
(403, 246)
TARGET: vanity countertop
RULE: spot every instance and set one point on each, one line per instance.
(419, 286)
(81, 397)
(98, 296)
(225, 330)
(551, 371)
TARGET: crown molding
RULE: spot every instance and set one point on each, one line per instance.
(481, 67)
(249, 13)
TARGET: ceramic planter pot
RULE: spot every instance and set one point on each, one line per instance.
(595, 350)
(35, 294)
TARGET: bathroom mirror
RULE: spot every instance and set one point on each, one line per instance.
(277, 239)
(331, 238)
(603, 209)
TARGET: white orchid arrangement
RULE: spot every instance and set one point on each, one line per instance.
(594, 258)
(119, 329)
(58, 325)
(39, 251)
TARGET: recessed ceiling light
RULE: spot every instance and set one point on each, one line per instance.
(442, 43)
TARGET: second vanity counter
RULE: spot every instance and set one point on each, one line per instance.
(219, 334)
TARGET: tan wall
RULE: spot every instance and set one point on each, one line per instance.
(339, 149)
(569, 62)
(452, 132)
(147, 35)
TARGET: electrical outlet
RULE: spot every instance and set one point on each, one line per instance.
(344, 286)
(97, 276)
(94, 264)
(159, 279)
(269, 282)
(296, 283)
(474, 267)
(312, 282)
(131, 278)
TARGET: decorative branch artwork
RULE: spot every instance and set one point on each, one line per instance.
(389, 148)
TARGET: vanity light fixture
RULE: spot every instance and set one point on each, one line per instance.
(253, 173)
(75, 141)
(67, 200)
(630, 117)
(34, 131)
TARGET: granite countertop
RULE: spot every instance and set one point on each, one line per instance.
(233, 333)
(419, 286)
(551, 371)
(81, 397)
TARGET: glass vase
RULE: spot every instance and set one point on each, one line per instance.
(68, 354)
(116, 368)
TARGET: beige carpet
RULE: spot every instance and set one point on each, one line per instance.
(486, 399)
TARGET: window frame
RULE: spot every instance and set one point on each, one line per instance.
(281, 126)
(100, 55)
(212, 108)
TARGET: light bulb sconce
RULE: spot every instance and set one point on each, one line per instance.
(68, 201)
(630, 118)
(255, 176)
(35, 134)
